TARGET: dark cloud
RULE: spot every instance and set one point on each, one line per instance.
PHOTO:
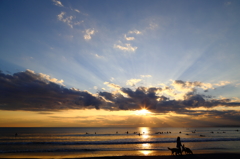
(188, 84)
(32, 92)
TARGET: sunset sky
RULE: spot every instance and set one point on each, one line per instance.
(67, 63)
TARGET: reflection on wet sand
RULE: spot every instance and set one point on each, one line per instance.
(146, 145)
(146, 153)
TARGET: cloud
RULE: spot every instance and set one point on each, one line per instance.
(76, 10)
(60, 16)
(38, 92)
(227, 3)
(112, 79)
(148, 76)
(132, 82)
(46, 78)
(78, 22)
(30, 91)
(98, 56)
(58, 3)
(128, 38)
(135, 32)
(222, 83)
(187, 85)
(153, 26)
(237, 85)
(149, 98)
(67, 20)
(127, 47)
(88, 34)
(112, 85)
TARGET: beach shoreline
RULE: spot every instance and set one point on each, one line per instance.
(206, 154)
(195, 156)
(75, 143)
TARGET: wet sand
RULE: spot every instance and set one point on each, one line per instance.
(126, 155)
(195, 156)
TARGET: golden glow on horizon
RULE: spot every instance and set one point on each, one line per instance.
(104, 118)
(174, 114)
(142, 112)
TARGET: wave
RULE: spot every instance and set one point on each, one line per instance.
(78, 150)
(94, 149)
(121, 141)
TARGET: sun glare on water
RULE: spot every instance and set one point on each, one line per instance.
(142, 112)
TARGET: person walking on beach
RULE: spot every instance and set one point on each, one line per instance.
(179, 144)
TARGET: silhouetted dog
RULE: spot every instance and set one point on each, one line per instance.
(176, 151)
(187, 150)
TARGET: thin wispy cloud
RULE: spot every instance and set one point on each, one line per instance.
(228, 3)
(78, 22)
(153, 26)
(148, 76)
(58, 3)
(88, 34)
(128, 38)
(112, 79)
(125, 47)
(135, 32)
(77, 10)
(66, 19)
(133, 82)
(222, 83)
(98, 56)
(112, 85)
(70, 20)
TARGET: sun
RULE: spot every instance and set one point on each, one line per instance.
(142, 112)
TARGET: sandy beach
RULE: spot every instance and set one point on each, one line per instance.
(196, 156)
(128, 155)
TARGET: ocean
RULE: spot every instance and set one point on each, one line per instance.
(100, 141)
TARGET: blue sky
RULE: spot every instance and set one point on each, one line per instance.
(108, 46)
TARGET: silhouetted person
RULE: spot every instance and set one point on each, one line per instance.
(179, 144)
(116, 132)
(127, 132)
(16, 135)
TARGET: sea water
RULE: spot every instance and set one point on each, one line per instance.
(88, 142)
